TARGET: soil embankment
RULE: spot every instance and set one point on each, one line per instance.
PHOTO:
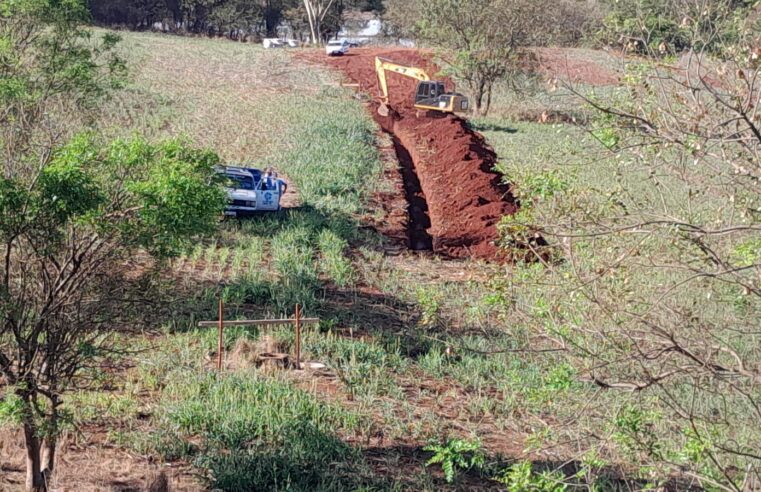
(455, 199)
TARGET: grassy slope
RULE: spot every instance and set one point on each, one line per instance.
(568, 178)
(406, 386)
(420, 349)
(401, 386)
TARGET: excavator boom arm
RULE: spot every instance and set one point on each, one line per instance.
(381, 66)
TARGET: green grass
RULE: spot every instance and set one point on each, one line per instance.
(249, 430)
(256, 432)
(405, 336)
(567, 180)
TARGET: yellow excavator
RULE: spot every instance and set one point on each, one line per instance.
(430, 94)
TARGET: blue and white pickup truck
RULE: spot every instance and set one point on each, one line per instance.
(250, 190)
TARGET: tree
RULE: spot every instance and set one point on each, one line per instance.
(236, 17)
(400, 17)
(70, 232)
(480, 41)
(47, 61)
(367, 5)
(664, 27)
(272, 14)
(74, 212)
(136, 14)
(316, 11)
(658, 274)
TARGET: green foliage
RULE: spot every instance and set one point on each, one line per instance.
(479, 40)
(560, 378)
(177, 198)
(662, 28)
(168, 195)
(67, 186)
(12, 200)
(83, 215)
(543, 184)
(61, 59)
(456, 455)
(11, 409)
(634, 430)
(607, 136)
(651, 21)
(521, 477)
(518, 228)
(258, 433)
(429, 300)
(236, 19)
(747, 252)
(696, 448)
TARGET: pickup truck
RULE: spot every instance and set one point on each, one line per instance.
(250, 191)
(337, 47)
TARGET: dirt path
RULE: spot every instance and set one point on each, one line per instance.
(455, 199)
(290, 198)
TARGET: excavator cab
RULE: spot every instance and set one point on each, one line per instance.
(430, 95)
(428, 90)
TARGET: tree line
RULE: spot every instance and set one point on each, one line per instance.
(236, 19)
(485, 42)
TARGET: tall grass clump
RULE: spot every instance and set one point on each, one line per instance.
(262, 434)
(366, 367)
(334, 263)
(293, 257)
(332, 160)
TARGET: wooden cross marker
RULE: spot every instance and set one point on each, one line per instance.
(220, 323)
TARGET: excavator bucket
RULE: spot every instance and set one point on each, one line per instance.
(383, 109)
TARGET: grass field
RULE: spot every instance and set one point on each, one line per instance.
(420, 351)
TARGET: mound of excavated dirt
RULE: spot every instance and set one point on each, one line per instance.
(455, 198)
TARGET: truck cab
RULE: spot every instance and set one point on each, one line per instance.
(249, 191)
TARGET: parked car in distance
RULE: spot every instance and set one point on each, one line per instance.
(337, 47)
(272, 43)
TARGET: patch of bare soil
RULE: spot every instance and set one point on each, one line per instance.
(87, 462)
(579, 66)
(290, 198)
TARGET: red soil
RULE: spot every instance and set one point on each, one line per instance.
(579, 66)
(465, 197)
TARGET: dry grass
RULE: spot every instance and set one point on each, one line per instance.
(89, 463)
(221, 94)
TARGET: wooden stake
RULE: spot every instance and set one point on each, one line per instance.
(298, 336)
(220, 343)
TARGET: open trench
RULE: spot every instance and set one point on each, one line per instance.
(418, 220)
(454, 198)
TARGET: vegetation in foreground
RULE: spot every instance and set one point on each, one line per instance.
(521, 377)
